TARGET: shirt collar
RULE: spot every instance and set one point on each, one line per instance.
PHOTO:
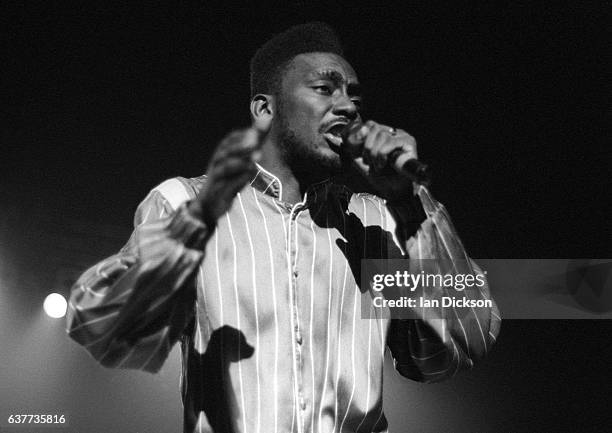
(267, 183)
(271, 185)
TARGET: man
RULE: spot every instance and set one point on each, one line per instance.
(254, 267)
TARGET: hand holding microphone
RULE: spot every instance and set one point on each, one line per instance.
(384, 147)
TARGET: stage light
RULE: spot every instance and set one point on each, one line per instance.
(55, 305)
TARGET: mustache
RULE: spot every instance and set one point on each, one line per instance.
(339, 120)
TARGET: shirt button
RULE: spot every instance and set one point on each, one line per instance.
(295, 272)
(302, 403)
(298, 338)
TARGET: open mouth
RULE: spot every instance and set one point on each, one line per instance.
(334, 135)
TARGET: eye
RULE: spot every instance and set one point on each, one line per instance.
(356, 102)
(326, 90)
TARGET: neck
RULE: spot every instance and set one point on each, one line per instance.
(295, 183)
(272, 160)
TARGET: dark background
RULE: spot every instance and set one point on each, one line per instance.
(509, 103)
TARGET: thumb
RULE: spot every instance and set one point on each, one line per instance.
(353, 138)
(360, 166)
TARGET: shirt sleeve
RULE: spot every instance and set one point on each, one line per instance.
(130, 309)
(437, 347)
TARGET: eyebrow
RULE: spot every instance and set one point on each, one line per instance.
(337, 78)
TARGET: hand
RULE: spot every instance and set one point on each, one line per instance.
(231, 167)
(369, 148)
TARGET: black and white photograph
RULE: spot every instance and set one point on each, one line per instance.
(306, 217)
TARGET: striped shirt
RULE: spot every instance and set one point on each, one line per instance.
(267, 307)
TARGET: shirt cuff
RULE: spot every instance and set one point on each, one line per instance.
(189, 230)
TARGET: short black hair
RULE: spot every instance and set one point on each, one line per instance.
(270, 60)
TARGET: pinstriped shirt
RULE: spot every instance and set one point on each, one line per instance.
(267, 308)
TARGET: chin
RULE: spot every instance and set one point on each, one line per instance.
(310, 162)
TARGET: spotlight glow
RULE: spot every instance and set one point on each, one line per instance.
(55, 305)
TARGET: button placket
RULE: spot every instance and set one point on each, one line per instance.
(297, 335)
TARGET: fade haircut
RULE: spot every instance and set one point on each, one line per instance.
(272, 59)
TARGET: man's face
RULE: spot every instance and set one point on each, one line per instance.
(320, 94)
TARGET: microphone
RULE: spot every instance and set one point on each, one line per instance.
(416, 170)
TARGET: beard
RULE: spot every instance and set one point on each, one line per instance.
(302, 156)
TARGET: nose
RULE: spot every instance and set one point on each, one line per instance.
(344, 106)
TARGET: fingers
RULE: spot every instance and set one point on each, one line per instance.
(231, 167)
(236, 154)
(243, 143)
(381, 141)
(231, 187)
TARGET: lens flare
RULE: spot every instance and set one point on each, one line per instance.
(55, 305)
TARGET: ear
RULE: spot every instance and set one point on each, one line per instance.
(262, 112)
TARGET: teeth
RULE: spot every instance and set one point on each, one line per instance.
(334, 139)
